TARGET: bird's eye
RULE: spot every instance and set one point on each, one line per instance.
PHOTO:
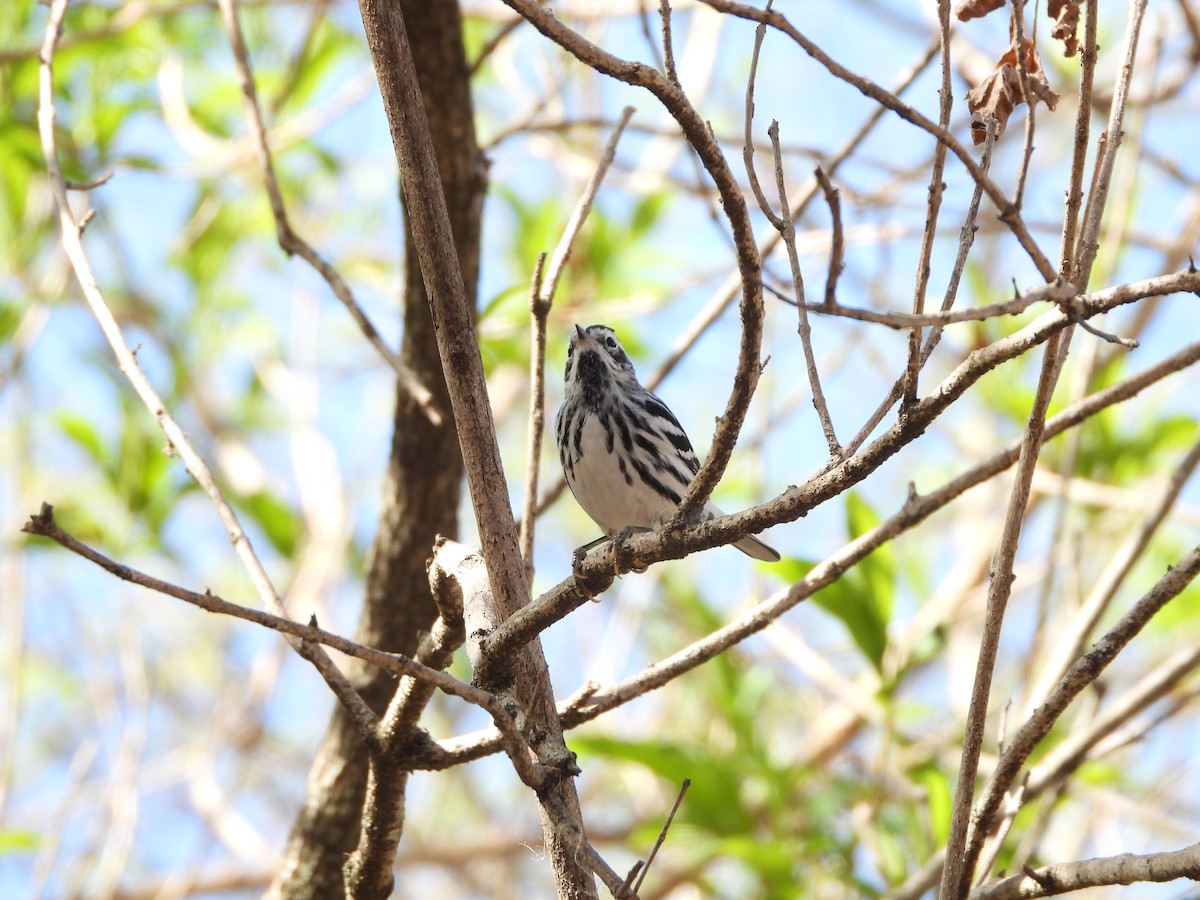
(610, 342)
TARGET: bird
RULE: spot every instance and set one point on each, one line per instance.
(626, 458)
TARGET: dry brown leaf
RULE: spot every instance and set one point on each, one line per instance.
(976, 9)
(1000, 93)
(1065, 14)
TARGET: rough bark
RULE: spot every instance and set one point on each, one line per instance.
(562, 826)
(423, 485)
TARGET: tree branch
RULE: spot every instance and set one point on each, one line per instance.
(1083, 672)
(177, 440)
(701, 138)
(291, 243)
(1062, 878)
(459, 350)
(916, 510)
(890, 101)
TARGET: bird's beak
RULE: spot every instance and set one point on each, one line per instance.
(582, 338)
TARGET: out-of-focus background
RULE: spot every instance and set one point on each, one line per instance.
(148, 749)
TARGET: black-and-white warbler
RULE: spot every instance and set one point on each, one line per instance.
(626, 458)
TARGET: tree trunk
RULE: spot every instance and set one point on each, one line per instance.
(424, 478)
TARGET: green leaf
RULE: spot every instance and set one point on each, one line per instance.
(17, 840)
(714, 798)
(646, 214)
(275, 518)
(84, 434)
(939, 801)
(862, 598)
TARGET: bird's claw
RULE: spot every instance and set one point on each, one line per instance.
(620, 539)
(577, 560)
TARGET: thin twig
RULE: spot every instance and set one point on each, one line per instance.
(1125, 869)
(1018, 32)
(298, 60)
(956, 876)
(664, 11)
(539, 310)
(542, 294)
(912, 371)
(890, 101)
(178, 442)
(562, 251)
(291, 243)
(729, 290)
(1086, 669)
(662, 835)
(1109, 337)
(837, 240)
(788, 228)
(965, 241)
(89, 185)
(1083, 121)
(748, 137)
(1057, 294)
(653, 45)
(490, 45)
(1089, 243)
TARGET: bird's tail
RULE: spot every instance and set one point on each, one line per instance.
(755, 548)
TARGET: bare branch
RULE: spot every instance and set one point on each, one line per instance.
(662, 835)
(562, 251)
(178, 442)
(748, 138)
(701, 138)
(890, 101)
(664, 12)
(956, 874)
(1083, 120)
(788, 227)
(837, 242)
(291, 243)
(1083, 672)
(539, 310)
(458, 348)
(44, 525)
(1018, 33)
(912, 370)
(1062, 878)
(1089, 236)
(1050, 293)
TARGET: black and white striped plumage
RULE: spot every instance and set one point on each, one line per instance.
(625, 455)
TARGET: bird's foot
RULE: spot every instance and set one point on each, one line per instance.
(581, 553)
(577, 559)
(620, 552)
